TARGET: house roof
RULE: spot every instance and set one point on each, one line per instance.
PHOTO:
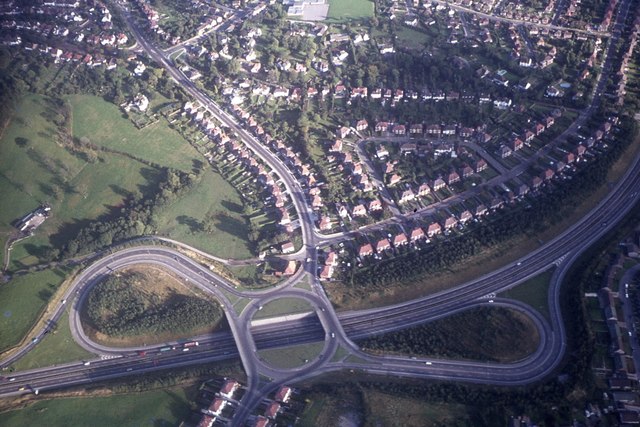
(272, 410)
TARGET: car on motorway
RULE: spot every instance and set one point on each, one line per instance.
(12, 379)
(87, 363)
(333, 335)
(428, 363)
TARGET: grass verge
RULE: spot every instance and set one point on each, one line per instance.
(281, 306)
(534, 292)
(291, 357)
(55, 348)
(22, 300)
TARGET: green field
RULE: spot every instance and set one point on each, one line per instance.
(412, 39)
(34, 169)
(55, 348)
(151, 408)
(291, 357)
(21, 300)
(103, 123)
(342, 10)
(211, 196)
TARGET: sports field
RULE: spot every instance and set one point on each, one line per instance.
(344, 10)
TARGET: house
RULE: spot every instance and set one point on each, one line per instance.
(433, 229)
(206, 421)
(359, 210)
(287, 248)
(450, 222)
(325, 223)
(438, 184)
(481, 165)
(481, 210)
(343, 132)
(465, 217)
(381, 127)
(217, 406)
(336, 147)
(382, 152)
(407, 196)
(416, 129)
(424, 190)
(332, 259)
(505, 151)
(434, 130)
(229, 388)
(496, 203)
(580, 150)
(548, 174)
(395, 178)
(466, 132)
(262, 421)
(453, 177)
(408, 148)
(539, 128)
(417, 234)
(383, 245)
(375, 205)
(327, 272)
(317, 202)
(272, 410)
(466, 171)
(569, 158)
(361, 125)
(528, 136)
(400, 240)
(289, 269)
(536, 182)
(523, 189)
(517, 144)
(549, 121)
(365, 250)
(399, 130)
(449, 130)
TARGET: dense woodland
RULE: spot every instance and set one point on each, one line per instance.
(487, 334)
(116, 307)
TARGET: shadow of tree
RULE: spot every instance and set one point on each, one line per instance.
(232, 206)
(194, 225)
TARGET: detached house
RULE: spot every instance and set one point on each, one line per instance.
(407, 196)
(365, 250)
(433, 229)
(383, 245)
(400, 240)
(417, 234)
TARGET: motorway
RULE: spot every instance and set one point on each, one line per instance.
(338, 330)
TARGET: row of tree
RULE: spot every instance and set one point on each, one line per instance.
(138, 215)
